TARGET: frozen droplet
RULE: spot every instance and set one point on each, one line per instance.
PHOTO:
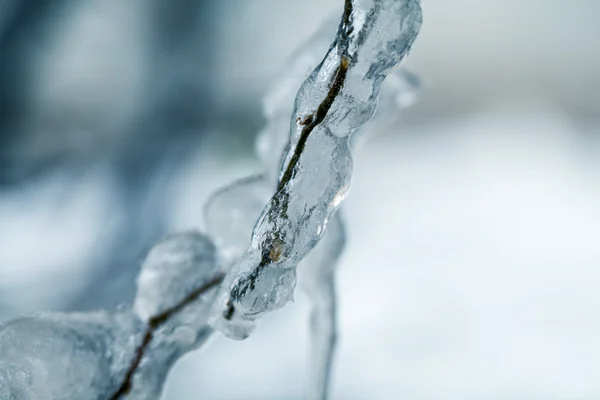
(224, 316)
(173, 268)
(262, 290)
(231, 213)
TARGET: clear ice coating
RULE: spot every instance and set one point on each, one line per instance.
(56, 356)
(316, 278)
(316, 271)
(338, 97)
(173, 268)
(399, 90)
(231, 212)
(278, 103)
(230, 215)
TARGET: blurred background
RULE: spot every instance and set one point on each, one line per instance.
(473, 268)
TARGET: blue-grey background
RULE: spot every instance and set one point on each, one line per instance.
(473, 268)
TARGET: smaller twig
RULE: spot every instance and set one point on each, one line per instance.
(156, 322)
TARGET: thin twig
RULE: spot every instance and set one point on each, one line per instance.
(153, 324)
(323, 109)
(310, 122)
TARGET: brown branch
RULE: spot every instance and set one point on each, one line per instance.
(153, 324)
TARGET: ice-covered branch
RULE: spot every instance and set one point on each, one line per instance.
(338, 97)
(127, 354)
(156, 322)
